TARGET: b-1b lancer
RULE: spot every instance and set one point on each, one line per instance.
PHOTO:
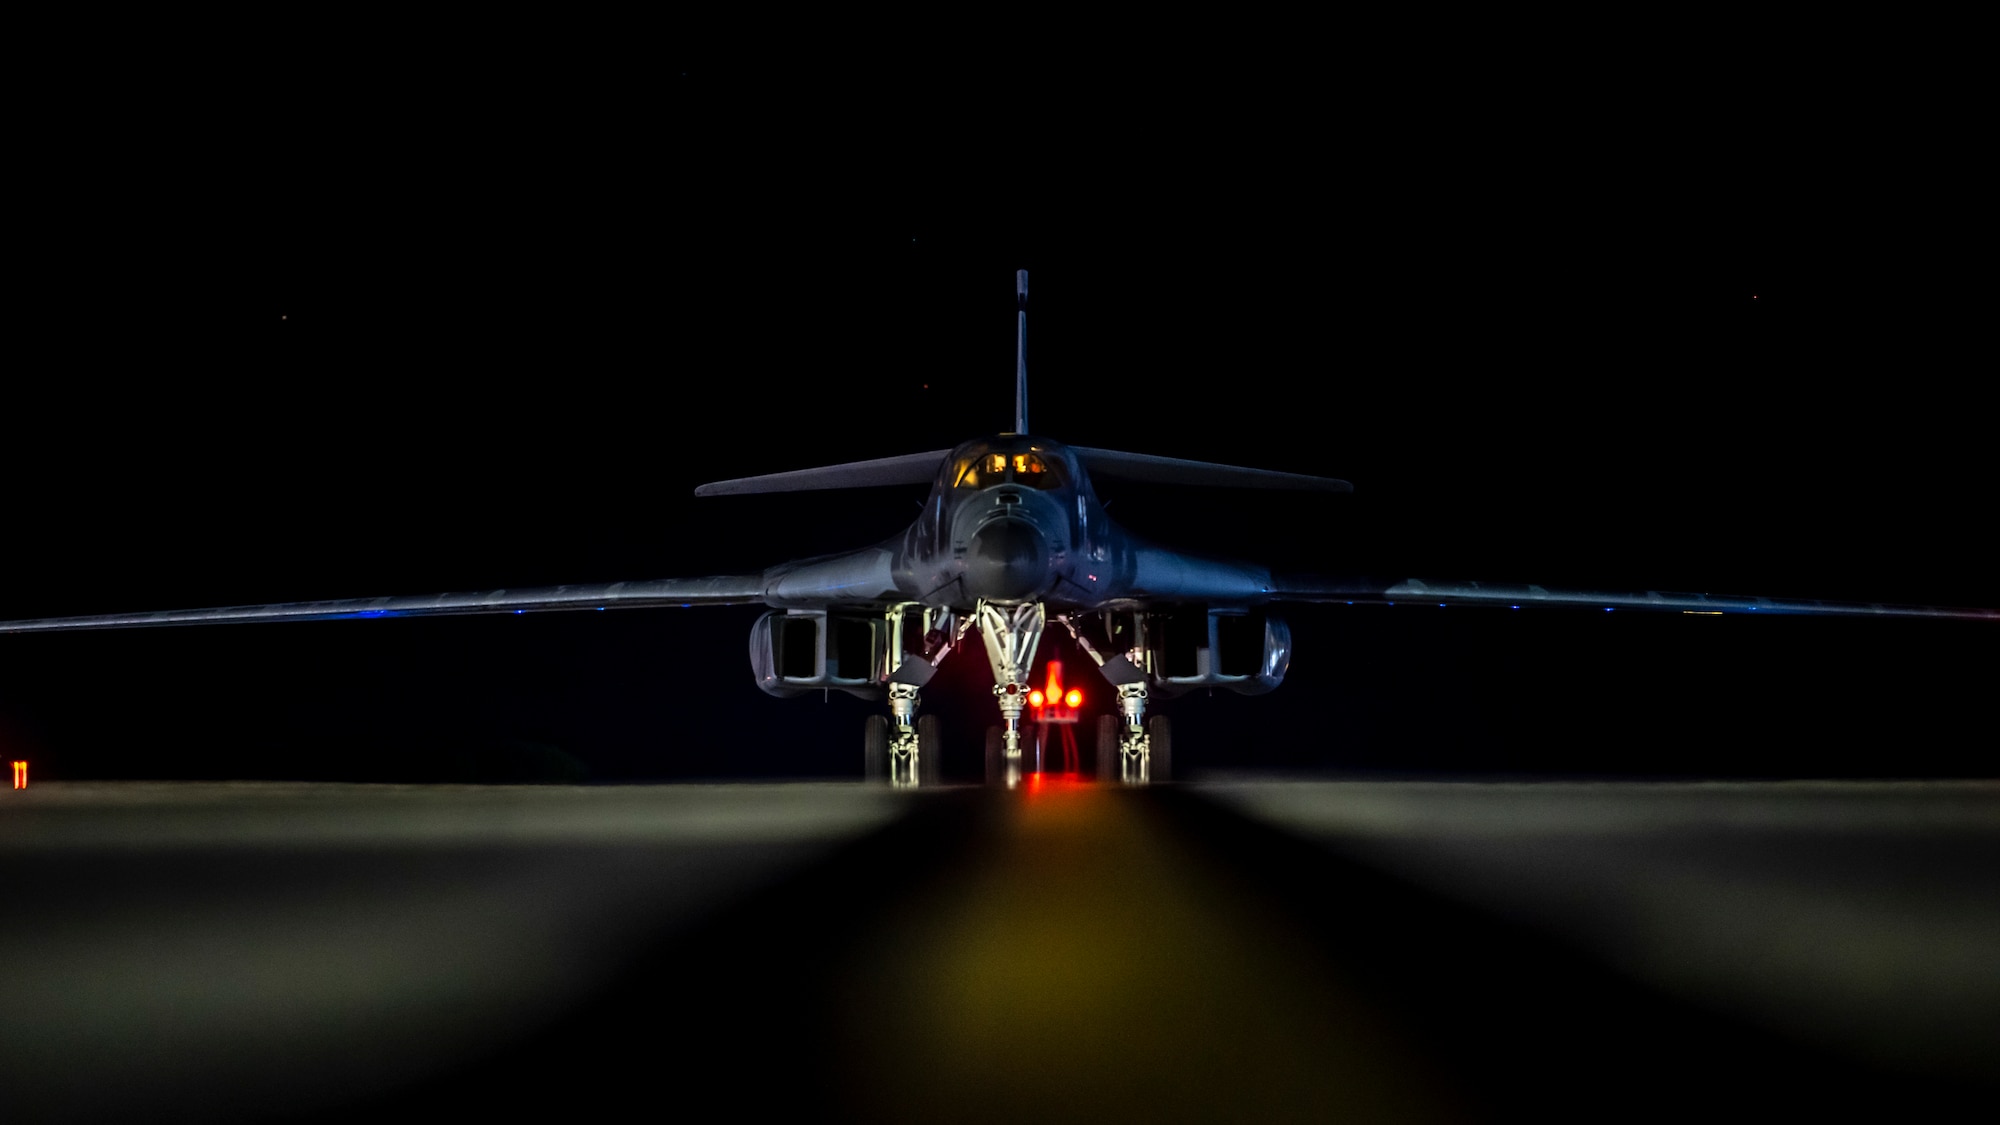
(1012, 538)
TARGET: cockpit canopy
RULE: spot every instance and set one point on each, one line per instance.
(984, 465)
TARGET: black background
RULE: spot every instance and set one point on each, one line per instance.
(316, 323)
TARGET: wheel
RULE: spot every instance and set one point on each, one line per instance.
(1109, 729)
(1160, 766)
(930, 751)
(996, 757)
(875, 748)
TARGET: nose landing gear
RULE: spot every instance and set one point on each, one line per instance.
(1011, 634)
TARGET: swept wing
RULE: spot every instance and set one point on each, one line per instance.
(721, 590)
(1415, 591)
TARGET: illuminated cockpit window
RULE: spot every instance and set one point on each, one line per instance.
(1029, 468)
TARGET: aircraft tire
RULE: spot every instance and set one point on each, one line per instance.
(1160, 764)
(875, 748)
(996, 756)
(1109, 730)
(930, 751)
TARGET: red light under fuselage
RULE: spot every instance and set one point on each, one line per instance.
(1053, 704)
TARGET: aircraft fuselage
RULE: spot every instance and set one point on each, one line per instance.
(1012, 520)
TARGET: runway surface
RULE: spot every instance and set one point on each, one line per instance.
(1236, 950)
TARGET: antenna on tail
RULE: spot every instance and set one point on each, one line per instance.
(1021, 352)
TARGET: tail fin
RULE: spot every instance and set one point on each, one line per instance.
(1021, 352)
(920, 468)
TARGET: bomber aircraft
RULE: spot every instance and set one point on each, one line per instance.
(1011, 538)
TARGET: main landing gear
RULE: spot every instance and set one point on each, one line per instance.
(904, 750)
(1137, 751)
(1135, 755)
(910, 756)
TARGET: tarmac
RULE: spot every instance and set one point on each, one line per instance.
(1229, 950)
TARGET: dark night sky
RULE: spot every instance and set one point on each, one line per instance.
(489, 326)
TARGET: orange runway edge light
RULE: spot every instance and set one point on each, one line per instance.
(20, 775)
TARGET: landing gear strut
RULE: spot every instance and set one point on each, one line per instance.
(903, 749)
(901, 752)
(914, 754)
(1137, 751)
(1145, 746)
(1011, 634)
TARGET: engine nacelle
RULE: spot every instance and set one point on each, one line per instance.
(793, 652)
(1243, 651)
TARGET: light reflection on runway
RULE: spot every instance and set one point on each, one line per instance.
(1864, 916)
(1061, 952)
(1090, 964)
(239, 949)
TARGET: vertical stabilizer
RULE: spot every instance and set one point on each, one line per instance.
(1021, 352)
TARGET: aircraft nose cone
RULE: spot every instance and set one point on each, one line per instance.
(1007, 560)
